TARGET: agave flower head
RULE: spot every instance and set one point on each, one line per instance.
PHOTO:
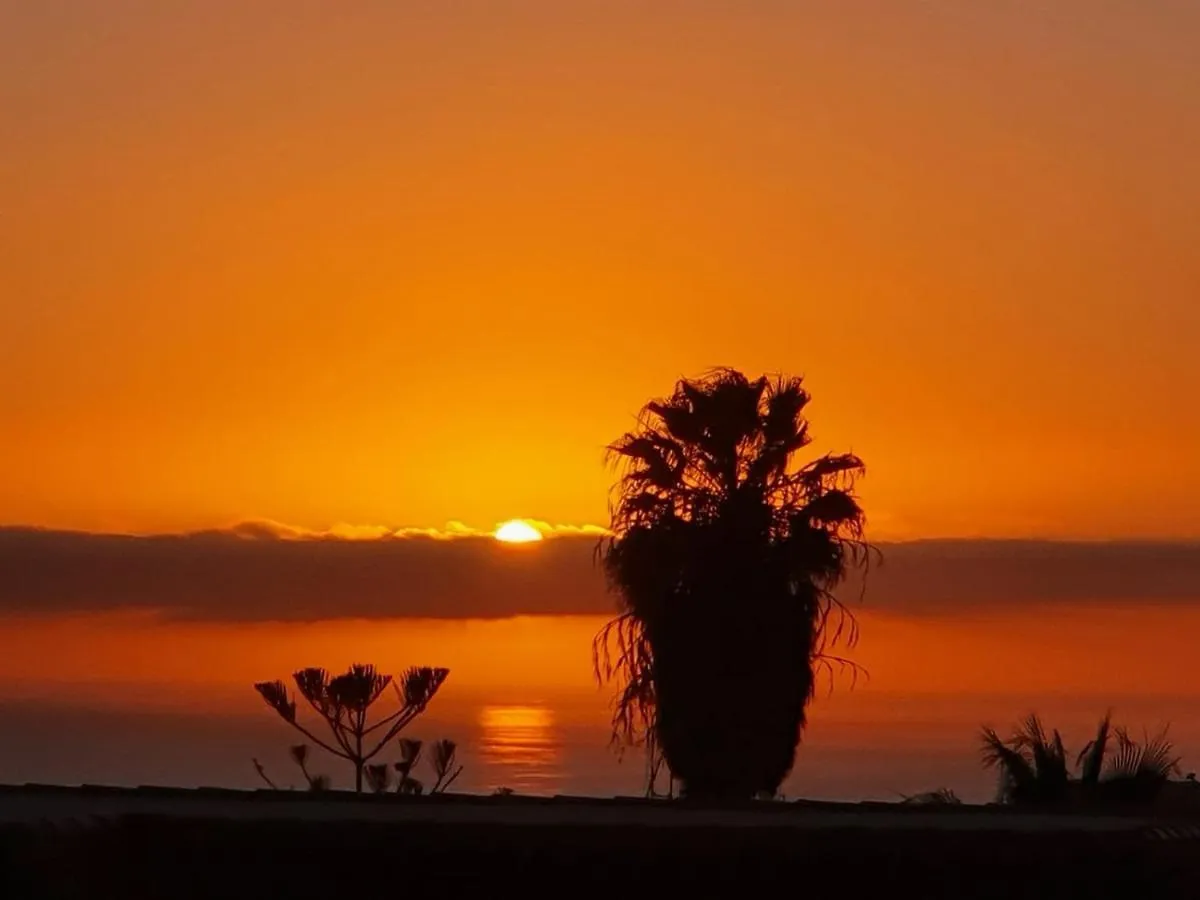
(420, 684)
(443, 757)
(276, 696)
(358, 688)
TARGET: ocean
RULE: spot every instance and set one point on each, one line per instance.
(135, 700)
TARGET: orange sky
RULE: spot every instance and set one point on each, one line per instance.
(401, 263)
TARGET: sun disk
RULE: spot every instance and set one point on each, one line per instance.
(517, 532)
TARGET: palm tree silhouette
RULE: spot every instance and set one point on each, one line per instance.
(725, 553)
(1033, 766)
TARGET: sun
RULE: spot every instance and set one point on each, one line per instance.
(517, 532)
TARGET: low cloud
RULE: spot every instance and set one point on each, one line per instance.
(264, 571)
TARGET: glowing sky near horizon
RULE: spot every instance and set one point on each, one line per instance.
(397, 264)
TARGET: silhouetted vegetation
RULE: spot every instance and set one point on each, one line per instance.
(442, 761)
(445, 765)
(344, 702)
(1113, 769)
(938, 797)
(378, 776)
(725, 553)
(656, 769)
(262, 773)
(410, 752)
(299, 755)
(316, 782)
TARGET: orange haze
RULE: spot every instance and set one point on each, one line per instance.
(402, 263)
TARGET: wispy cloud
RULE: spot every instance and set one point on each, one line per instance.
(266, 529)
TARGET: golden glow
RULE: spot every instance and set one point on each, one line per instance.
(521, 746)
(517, 532)
(532, 718)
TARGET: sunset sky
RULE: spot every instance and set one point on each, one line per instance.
(278, 274)
(400, 263)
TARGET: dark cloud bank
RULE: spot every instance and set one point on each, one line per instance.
(228, 576)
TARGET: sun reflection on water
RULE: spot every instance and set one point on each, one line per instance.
(521, 747)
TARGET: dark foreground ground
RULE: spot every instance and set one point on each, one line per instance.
(71, 844)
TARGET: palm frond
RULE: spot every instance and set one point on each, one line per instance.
(832, 508)
(1016, 770)
(1152, 758)
(831, 470)
(1090, 761)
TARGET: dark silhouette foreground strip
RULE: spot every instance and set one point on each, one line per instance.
(181, 858)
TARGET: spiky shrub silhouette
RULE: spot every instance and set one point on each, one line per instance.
(1032, 764)
(1135, 774)
(343, 703)
(1114, 769)
(725, 552)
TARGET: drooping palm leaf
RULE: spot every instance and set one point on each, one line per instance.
(1153, 757)
(1032, 764)
(1016, 771)
(1091, 758)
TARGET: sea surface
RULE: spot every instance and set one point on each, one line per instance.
(138, 701)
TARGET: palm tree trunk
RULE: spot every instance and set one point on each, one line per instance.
(738, 737)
